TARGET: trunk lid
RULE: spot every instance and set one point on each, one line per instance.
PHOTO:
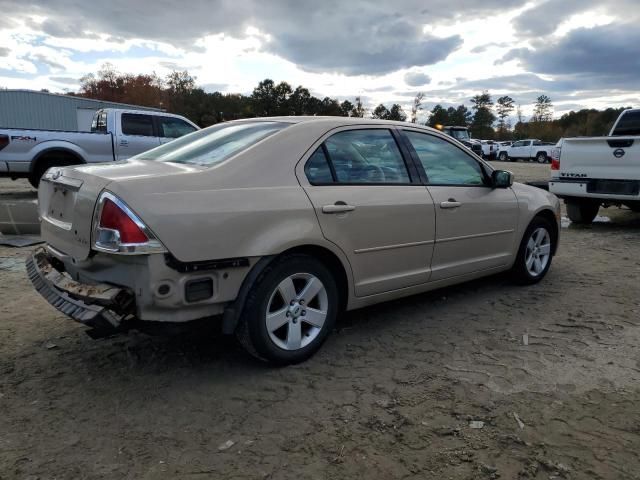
(67, 198)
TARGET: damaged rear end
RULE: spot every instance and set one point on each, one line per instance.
(103, 265)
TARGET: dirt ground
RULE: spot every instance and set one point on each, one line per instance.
(392, 394)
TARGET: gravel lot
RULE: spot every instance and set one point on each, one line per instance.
(392, 394)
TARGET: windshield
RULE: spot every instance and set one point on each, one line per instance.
(213, 145)
(460, 134)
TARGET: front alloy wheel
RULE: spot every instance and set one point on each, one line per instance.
(290, 310)
(535, 253)
(538, 251)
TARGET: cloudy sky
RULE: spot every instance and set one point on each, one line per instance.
(582, 53)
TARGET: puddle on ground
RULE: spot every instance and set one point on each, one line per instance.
(12, 264)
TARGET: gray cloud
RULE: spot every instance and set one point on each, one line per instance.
(4, 52)
(355, 37)
(416, 79)
(486, 46)
(65, 80)
(544, 18)
(40, 58)
(61, 29)
(599, 57)
(385, 88)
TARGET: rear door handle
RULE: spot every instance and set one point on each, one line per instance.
(451, 203)
(338, 207)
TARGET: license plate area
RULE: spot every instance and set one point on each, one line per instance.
(61, 206)
(614, 187)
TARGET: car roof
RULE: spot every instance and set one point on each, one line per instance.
(332, 122)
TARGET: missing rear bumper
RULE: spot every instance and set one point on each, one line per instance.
(102, 307)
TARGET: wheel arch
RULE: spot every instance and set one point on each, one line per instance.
(55, 152)
(329, 258)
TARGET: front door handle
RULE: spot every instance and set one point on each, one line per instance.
(338, 207)
(451, 203)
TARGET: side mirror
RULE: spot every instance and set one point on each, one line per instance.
(501, 179)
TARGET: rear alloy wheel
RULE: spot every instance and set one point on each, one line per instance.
(582, 211)
(535, 253)
(541, 157)
(503, 157)
(290, 310)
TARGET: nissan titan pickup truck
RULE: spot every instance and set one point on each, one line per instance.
(590, 172)
(116, 134)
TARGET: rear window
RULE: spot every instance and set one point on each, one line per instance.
(136, 124)
(213, 145)
(629, 124)
(99, 123)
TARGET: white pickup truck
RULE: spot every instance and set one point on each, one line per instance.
(530, 149)
(116, 134)
(590, 172)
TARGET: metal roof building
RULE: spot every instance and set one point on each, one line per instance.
(51, 111)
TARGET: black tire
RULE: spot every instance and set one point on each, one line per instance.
(38, 172)
(44, 164)
(252, 331)
(582, 211)
(503, 157)
(519, 272)
(541, 157)
(634, 207)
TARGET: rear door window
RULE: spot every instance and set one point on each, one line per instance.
(366, 156)
(317, 168)
(99, 123)
(137, 124)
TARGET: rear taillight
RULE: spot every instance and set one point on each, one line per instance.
(4, 141)
(118, 230)
(555, 158)
(114, 218)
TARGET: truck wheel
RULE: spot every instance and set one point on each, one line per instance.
(503, 157)
(290, 310)
(541, 157)
(582, 211)
(44, 163)
(634, 207)
(535, 252)
(37, 173)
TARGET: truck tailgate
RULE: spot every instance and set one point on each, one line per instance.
(613, 158)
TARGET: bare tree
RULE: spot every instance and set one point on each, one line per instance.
(417, 106)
